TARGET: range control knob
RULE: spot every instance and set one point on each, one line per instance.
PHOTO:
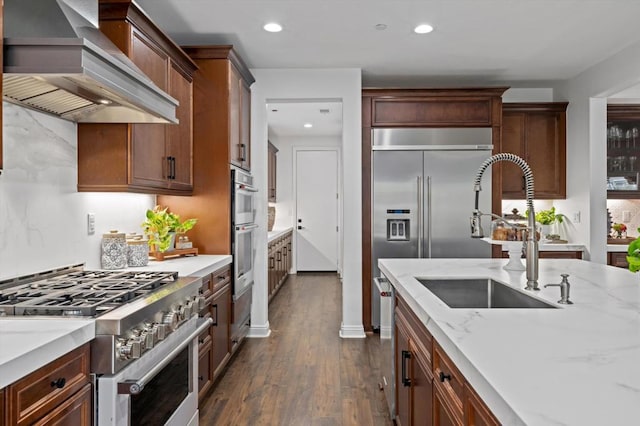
(146, 337)
(123, 350)
(200, 302)
(136, 347)
(171, 319)
(188, 309)
(163, 331)
(152, 330)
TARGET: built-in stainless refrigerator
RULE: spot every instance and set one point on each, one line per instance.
(422, 195)
(422, 198)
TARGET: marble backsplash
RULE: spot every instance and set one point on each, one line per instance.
(618, 209)
(43, 219)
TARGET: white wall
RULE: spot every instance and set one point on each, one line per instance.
(586, 142)
(43, 221)
(308, 84)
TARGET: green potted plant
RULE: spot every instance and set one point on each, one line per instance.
(161, 227)
(633, 254)
(546, 218)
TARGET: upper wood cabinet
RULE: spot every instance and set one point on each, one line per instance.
(224, 73)
(537, 133)
(272, 167)
(149, 158)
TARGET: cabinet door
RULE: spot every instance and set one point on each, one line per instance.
(618, 259)
(442, 414)
(235, 156)
(476, 412)
(245, 125)
(403, 373)
(149, 163)
(204, 370)
(179, 137)
(536, 133)
(421, 389)
(513, 142)
(221, 314)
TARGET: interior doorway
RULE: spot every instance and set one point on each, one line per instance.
(317, 196)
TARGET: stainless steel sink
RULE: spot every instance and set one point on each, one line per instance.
(480, 293)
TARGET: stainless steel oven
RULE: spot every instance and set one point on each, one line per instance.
(243, 231)
(243, 202)
(160, 388)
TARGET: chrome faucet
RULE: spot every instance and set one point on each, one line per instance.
(564, 290)
(530, 246)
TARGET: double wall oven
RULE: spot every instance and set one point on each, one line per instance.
(144, 358)
(243, 228)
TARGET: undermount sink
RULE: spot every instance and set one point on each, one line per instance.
(478, 293)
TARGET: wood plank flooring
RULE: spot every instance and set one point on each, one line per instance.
(304, 374)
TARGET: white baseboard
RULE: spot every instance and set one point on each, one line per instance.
(259, 331)
(352, 332)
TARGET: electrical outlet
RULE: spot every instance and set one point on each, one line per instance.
(576, 217)
(626, 216)
(91, 223)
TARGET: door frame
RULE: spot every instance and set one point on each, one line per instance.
(338, 152)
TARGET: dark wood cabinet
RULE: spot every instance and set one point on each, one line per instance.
(279, 262)
(535, 132)
(272, 167)
(216, 140)
(623, 151)
(618, 259)
(430, 390)
(214, 343)
(553, 254)
(149, 158)
(35, 399)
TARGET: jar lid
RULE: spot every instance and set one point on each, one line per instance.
(113, 234)
(137, 240)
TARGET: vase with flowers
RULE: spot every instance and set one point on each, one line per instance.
(619, 230)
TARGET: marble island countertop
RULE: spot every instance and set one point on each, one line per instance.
(575, 365)
(275, 233)
(28, 343)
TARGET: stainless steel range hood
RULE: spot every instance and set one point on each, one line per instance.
(57, 61)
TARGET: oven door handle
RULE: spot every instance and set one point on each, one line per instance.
(243, 187)
(134, 387)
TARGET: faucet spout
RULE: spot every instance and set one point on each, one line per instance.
(531, 244)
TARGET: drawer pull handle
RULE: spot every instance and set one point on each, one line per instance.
(444, 377)
(201, 378)
(59, 383)
(200, 341)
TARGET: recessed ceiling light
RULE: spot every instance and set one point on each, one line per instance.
(308, 125)
(423, 29)
(381, 27)
(105, 101)
(273, 27)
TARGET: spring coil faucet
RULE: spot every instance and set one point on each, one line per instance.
(531, 244)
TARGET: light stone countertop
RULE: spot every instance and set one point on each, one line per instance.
(542, 245)
(28, 343)
(576, 365)
(618, 247)
(272, 235)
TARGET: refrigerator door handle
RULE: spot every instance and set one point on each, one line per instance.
(429, 216)
(420, 218)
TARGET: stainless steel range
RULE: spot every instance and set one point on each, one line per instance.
(144, 356)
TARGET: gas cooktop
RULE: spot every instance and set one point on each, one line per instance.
(78, 293)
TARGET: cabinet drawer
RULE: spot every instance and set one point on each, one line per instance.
(220, 277)
(448, 379)
(75, 411)
(618, 259)
(418, 332)
(41, 391)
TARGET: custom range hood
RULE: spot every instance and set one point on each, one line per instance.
(57, 61)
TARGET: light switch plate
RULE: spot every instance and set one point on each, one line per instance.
(626, 216)
(91, 223)
(576, 217)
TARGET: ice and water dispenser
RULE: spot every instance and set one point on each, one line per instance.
(398, 224)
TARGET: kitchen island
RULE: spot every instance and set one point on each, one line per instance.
(575, 365)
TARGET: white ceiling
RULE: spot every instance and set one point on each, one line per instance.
(288, 119)
(475, 42)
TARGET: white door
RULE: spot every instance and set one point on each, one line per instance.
(317, 210)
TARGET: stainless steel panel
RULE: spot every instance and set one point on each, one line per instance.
(436, 138)
(451, 174)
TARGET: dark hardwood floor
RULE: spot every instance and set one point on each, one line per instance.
(304, 374)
